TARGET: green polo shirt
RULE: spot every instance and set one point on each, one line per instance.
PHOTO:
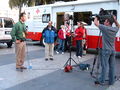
(18, 31)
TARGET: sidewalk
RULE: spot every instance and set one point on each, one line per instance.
(49, 75)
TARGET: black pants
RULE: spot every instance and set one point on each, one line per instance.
(79, 48)
(67, 42)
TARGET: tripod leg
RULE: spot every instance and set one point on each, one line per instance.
(68, 61)
(93, 65)
(98, 65)
(74, 61)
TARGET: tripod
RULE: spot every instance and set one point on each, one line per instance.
(97, 56)
(95, 59)
(70, 58)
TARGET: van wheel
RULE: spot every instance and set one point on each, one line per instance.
(42, 42)
(9, 44)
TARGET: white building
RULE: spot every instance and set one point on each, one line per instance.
(5, 10)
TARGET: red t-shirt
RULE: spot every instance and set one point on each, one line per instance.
(62, 34)
(79, 33)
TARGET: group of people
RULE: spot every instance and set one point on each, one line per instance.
(64, 34)
(49, 33)
(79, 35)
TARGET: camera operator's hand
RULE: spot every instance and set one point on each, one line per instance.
(114, 17)
(116, 22)
(96, 22)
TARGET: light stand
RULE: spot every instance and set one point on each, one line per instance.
(69, 61)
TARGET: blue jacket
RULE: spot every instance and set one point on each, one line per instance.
(49, 35)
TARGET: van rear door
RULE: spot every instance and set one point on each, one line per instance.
(7, 25)
(1, 30)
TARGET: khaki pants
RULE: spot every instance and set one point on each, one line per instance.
(49, 50)
(20, 54)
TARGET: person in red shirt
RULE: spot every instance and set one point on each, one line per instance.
(62, 37)
(78, 34)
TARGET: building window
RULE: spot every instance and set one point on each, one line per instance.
(1, 25)
(8, 23)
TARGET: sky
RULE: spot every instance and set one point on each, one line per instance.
(4, 4)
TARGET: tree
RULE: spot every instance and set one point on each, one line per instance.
(66, 0)
(20, 3)
(42, 2)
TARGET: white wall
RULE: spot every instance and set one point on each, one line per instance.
(4, 4)
(5, 10)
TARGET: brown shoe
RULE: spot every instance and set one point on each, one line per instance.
(23, 67)
(51, 59)
(18, 67)
(46, 59)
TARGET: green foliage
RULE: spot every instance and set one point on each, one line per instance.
(20, 3)
(39, 2)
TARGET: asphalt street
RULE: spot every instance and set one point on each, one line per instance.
(47, 75)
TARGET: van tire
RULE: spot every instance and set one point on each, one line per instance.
(9, 44)
(42, 42)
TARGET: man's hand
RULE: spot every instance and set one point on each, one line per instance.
(96, 22)
(18, 41)
(26, 33)
(116, 22)
(74, 35)
(114, 17)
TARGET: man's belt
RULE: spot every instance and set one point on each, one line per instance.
(21, 40)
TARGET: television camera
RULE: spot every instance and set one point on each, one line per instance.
(102, 16)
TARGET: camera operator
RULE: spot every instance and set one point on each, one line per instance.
(108, 49)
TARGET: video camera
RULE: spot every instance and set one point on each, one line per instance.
(102, 16)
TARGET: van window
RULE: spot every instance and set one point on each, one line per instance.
(1, 25)
(82, 16)
(8, 23)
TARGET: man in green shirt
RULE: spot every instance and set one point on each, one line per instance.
(18, 34)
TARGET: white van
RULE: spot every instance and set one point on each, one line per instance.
(6, 25)
(81, 10)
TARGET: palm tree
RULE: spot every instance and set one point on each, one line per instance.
(20, 3)
(65, 0)
(42, 2)
(69, 0)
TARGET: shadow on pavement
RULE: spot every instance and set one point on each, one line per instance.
(59, 80)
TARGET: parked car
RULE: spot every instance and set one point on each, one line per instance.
(6, 25)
